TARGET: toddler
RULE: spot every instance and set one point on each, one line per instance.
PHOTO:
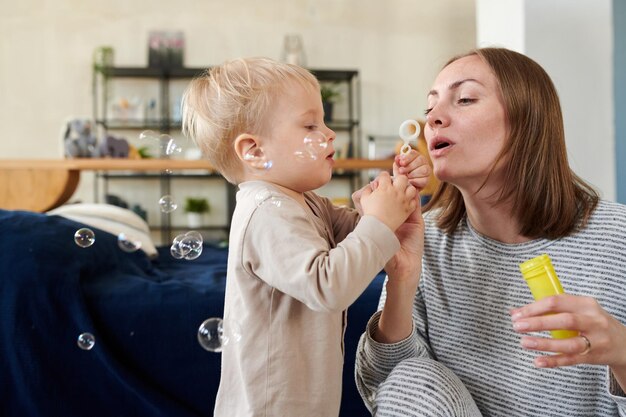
(296, 261)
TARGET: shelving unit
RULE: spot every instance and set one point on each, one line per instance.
(347, 115)
(346, 123)
(167, 226)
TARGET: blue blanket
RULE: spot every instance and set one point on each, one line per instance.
(144, 315)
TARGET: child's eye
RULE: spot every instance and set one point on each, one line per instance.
(311, 127)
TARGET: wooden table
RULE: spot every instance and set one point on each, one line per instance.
(43, 184)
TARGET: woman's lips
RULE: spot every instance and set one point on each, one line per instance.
(439, 145)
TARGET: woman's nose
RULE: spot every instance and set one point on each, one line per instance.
(437, 117)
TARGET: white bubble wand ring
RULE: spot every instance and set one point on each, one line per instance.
(409, 131)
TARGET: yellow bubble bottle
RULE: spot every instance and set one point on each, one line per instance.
(543, 282)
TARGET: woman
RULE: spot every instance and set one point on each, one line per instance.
(459, 333)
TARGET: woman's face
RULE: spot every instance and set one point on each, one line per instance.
(465, 123)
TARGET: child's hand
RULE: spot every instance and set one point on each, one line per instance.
(414, 166)
(356, 197)
(389, 201)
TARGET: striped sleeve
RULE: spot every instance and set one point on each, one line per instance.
(374, 360)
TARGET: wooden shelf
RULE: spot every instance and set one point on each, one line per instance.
(123, 164)
(43, 184)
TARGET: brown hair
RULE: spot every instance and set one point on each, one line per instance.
(231, 99)
(547, 197)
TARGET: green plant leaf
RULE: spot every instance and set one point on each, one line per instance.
(196, 205)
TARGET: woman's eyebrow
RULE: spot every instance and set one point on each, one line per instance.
(454, 85)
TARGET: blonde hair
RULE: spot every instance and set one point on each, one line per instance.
(232, 99)
(549, 199)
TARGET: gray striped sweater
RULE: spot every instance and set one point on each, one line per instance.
(461, 318)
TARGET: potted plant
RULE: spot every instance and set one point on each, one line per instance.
(330, 95)
(195, 209)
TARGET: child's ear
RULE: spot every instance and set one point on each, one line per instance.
(249, 151)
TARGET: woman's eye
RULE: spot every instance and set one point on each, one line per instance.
(428, 110)
(465, 100)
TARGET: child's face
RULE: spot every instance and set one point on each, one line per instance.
(298, 113)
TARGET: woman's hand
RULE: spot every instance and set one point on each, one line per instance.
(414, 166)
(601, 341)
(406, 264)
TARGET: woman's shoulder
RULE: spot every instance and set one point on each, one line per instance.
(607, 223)
(432, 231)
(608, 212)
(430, 219)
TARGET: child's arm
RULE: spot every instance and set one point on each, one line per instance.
(344, 219)
(283, 246)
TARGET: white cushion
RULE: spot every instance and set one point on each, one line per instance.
(112, 219)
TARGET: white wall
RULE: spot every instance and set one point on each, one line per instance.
(579, 57)
(500, 23)
(46, 50)
(573, 41)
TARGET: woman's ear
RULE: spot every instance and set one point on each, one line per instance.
(249, 151)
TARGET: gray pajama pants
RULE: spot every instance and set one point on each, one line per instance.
(424, 387)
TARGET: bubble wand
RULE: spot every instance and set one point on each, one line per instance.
(409, 131)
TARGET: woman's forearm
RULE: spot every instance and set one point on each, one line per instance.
(396, 320)
(620, 376)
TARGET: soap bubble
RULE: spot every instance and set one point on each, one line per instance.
(177, 250)
(313, 147)
(168, 144)
(257, 156)
(268, 196)
(128, 243)
(261, 196)
(215, 333)
(196, 235)
(233, 330)
(194, 241)
(188, 246)
(84, 237)
(150, 135)
(211, 335)
(195, 247)
(86, 341)
(167, 204)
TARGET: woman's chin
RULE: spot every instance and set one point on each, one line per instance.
(442, 174)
